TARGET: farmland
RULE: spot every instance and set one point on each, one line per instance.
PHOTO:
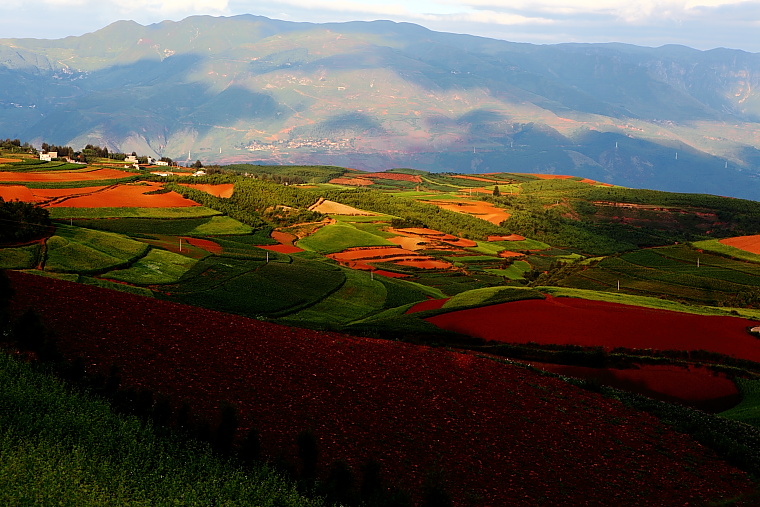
(640, 290)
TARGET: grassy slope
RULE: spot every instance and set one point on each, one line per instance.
(61, 447)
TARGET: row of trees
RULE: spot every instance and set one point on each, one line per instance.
(21, 221)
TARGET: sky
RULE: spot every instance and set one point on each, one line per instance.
(700, 24)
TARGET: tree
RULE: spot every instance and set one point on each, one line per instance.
(496, 191)
(197, 164)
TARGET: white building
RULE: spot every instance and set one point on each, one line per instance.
(48, 156)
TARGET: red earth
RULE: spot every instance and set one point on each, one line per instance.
(284, 249)
(97, 174)
(693, 386)
(509, 237)
(205, 244)
(430, 304)
(224, 190)
(17, 192)
(126, 196)
(572, 321)
(746, 243)
(495, 433)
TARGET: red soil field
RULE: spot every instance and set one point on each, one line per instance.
(394, 176)
(127, 196)
(205, 244)
(430, 304)
(507, 253)
(423, 263)
(509, 237)
(97, 174)
(747, 243)
(498, 434)
(693, 386)
(222, 190)
(355, 182)
(572, 321)
(390, 274)
(479, 209)
(8, 160)
(17, 192)
(284, 249)
(473, 178)
(54, 193)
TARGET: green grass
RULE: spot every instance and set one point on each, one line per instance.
(489, 296)
(158, 267)
(22, 257)
(76, 250)
(255, 288)
(166, 226)
(514, 272)
(647, 302)
(714, 245)
(60, 447)
(351, 219)
(337, 237)
(494, 247)
(748, 410)
(182, 212)
(358, 297)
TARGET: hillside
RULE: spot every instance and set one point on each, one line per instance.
(195, 294)
(381, 94)
(480, 431)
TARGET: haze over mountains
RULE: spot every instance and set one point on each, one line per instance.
(380, 95)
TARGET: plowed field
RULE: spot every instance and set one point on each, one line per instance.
(747, 243)
(223, 190)
(127, 196)
(571, 321)
(97, 174)
(495, 434)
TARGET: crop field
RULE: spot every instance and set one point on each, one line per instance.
(748, 410)
(255, 288)
(77, 250)
(678, 271)
(600, 324)
(359, 296)
(157, 267)
(141, 195)
(63, 176)
(693, 386)
(204, 226)
(371, 399)
(131, 212)
(59, 446)
(26, 257)
(717, 246)
(338, 237)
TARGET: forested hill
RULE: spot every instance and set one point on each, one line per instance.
(376, 95)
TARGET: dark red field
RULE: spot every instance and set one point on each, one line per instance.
(573, 321)
(496, 434)
(693, 386)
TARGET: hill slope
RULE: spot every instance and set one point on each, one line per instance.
(485, 432)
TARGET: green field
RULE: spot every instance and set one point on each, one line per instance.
(678, 272)
(203, 226)
(256, 288)
(23, 257)
(748, 410)
(338, 237)
(157, 267)
(714, 245)
(357, 298)
(61, 447)
(184, 212)
(76, 250)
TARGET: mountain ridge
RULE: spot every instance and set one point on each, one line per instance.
(380, 94)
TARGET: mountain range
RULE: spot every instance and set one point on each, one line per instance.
(378, 95)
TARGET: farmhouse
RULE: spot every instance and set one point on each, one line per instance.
(48, 156)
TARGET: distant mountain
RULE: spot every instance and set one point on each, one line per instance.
(376, 95)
